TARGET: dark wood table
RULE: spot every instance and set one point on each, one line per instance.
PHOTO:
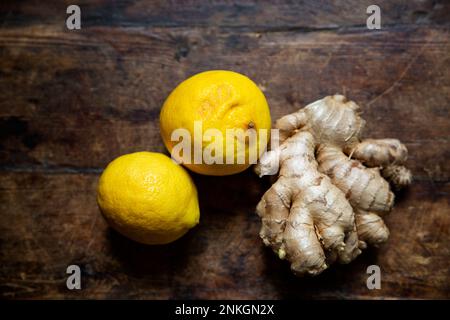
(71, 101)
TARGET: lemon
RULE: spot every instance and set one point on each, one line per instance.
(148, 198)
(220, 100)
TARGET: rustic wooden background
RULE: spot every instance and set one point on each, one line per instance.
(71, 101)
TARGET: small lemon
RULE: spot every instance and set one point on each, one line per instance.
(148, 198)
(220, 100)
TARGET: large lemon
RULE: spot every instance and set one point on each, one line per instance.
(219, 100)
(148, 198)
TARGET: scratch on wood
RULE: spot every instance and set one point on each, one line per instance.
(402, 75)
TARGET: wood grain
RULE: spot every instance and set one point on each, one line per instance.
(50, 221)
(235, 14)
(71, 101)
(56, 101)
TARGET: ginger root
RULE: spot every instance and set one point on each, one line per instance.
(330, 195)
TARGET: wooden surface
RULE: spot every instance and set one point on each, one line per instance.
(71, 101)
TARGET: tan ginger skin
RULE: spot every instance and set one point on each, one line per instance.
(330, 195)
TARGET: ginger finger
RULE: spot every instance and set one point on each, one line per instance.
(379, 152)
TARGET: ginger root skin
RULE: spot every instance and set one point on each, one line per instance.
(331, 192)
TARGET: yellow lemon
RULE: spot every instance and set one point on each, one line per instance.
(148, 198)
(218, 101)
